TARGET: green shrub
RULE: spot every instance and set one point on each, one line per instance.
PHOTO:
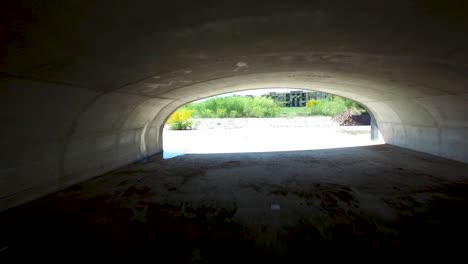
(233, 114)
(294, 111)
(333, 105)
(235, 106)
(260, 106)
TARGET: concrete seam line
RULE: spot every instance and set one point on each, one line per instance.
(68, 135)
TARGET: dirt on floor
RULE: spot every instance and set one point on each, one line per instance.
(276, 207)
(276, 122)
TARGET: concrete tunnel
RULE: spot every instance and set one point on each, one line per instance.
(86, 86)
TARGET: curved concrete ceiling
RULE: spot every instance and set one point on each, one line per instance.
(86, 86)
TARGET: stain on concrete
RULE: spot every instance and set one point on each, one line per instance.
(188, 210)
(136, 190)
(279, 192)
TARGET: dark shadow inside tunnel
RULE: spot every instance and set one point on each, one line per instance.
(86, 88)
(274, 206)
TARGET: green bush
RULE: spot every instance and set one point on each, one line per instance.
(246, 106)
(333, 105)
(235, 106)
(293, 111)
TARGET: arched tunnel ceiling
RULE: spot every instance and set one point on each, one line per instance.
(107, 45)
(87, 85)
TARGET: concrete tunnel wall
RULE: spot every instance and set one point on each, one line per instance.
(86, 88)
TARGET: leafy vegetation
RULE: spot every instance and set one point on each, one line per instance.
(293, 111)
(181, 119)
(235, 106)
(258, 107)
(332, 106)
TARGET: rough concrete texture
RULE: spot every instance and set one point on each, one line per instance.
(283, 207)
(86, 86)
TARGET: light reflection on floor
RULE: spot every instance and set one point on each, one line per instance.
(241, 140)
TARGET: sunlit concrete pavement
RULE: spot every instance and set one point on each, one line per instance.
(265, 139)
(272, 207)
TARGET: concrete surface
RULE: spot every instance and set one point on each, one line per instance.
(276, 122)
(87, 85)
(363, 203)
(241, 140)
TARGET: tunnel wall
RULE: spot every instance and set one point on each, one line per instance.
(86, 87)
(56, 135)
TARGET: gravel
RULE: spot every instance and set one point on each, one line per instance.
(294, 122)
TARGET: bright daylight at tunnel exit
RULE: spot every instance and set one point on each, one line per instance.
(265, 120)
(233, 131)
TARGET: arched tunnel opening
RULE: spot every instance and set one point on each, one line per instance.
(86, 88)
(268, 120)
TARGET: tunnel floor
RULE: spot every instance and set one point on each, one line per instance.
(276, 207)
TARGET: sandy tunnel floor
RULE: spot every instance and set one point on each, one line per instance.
(277, 207)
